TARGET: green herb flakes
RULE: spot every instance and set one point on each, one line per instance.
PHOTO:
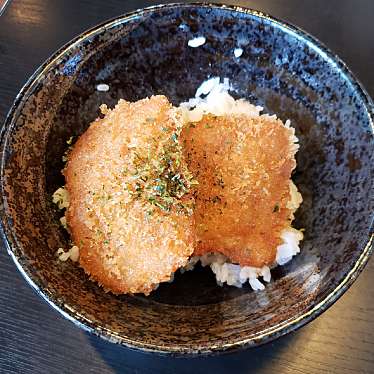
(160, 177)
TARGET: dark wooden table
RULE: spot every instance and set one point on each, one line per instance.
(35, 339)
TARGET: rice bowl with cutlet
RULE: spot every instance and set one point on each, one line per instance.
(154, 188)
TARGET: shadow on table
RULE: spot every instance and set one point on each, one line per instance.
(123, 360)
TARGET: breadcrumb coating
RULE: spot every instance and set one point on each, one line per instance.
(243, 166)
(126, 243)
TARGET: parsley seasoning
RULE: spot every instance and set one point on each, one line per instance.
(220, 182)
(160, 177)
(276, 208)
(216, 199)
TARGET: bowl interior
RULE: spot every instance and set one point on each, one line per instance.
(147, 53)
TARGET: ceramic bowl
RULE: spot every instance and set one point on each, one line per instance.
(145, 53)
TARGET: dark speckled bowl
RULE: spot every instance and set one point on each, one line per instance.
(146, 53)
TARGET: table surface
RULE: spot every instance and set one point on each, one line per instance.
(35, 339)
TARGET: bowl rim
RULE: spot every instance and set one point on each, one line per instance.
(291, 324)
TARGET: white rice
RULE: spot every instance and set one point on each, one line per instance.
(61, 198)
(72, 254)
(238, 52)
(102, 87)
(217, 101)
(212, 97)
(196, 42)
(63, 222)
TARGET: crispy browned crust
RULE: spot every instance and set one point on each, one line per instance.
(243, 166)
(121, 246)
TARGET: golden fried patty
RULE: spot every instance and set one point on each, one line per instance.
(125, 244)
(243, 166)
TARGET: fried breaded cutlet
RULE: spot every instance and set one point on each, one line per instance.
(130, 212)
(243, 165)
